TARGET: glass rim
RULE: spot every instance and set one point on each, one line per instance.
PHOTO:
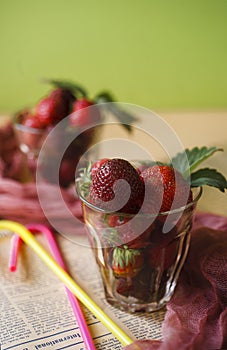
(163, 213)
(25, 128)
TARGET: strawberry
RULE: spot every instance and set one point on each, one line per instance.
(165, 185)
(32, 121)
(53, 108)
(81, 115)
(81, 103)
(106, 187)
(127, 262)
(95, 166)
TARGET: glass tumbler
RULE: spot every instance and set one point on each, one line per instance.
(139, 256)
(74, 141)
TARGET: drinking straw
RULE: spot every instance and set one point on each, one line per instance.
(57, 255)
(30, 240)
(15, 245)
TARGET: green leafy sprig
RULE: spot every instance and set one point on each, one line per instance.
(186, 162)
(125, 118)
(210, 177)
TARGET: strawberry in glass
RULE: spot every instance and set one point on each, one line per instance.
(141, 246)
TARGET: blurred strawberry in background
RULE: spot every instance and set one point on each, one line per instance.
(85, 114)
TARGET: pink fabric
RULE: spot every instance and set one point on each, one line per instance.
(196, 316)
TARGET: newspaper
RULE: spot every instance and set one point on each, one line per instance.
(36, 313)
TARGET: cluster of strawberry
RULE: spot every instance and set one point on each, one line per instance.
(163, 185)
(135, 253)
(64, 100)
(58, 104)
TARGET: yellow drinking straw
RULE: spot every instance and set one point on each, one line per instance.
(28, 238)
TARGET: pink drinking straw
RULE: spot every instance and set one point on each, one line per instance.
(15, 244)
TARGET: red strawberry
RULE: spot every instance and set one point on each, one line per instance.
(97, 165)
(163, 185)
(81, 115)
(32, 121)
(53, 108)
(115, 220)
(81, 103)
(127, 262)
(106, 187)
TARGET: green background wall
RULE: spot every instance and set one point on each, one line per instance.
(156, 53)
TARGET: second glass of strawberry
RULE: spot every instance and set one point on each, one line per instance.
(73, 115)
(140, 253)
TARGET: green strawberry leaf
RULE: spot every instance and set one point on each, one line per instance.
(187, 161)
(123, 117)
(76, 89)
(104, 97)
(118, 257)
(210, 177)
